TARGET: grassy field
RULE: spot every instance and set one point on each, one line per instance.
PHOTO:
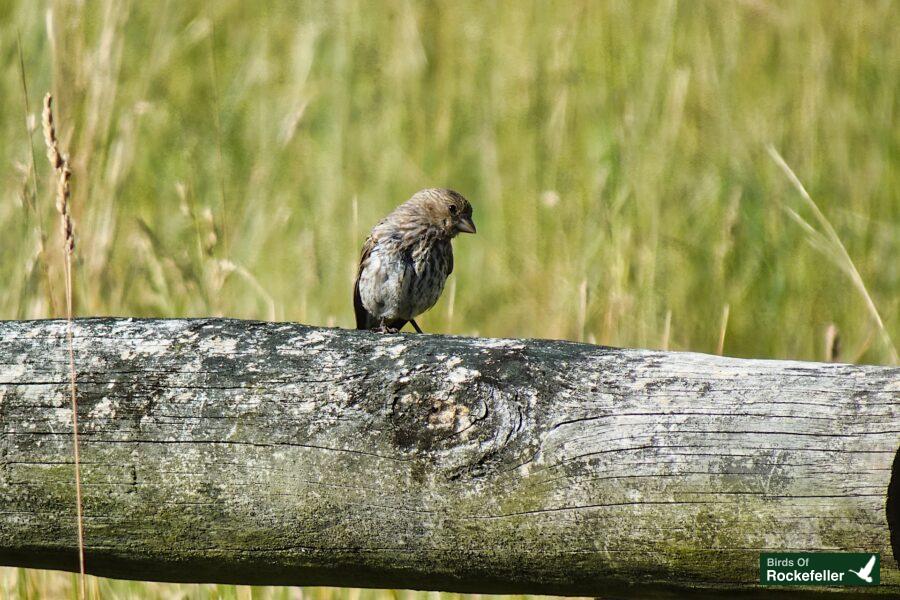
(229, 157)
(49, 585)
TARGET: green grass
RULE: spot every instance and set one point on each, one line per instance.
(229, 158)
(22, 584)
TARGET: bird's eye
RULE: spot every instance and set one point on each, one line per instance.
(453, 209)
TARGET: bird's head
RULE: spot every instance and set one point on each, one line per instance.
(445, 210)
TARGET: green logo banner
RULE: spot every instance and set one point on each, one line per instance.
(820, 568)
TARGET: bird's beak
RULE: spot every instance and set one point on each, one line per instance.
(466, 225)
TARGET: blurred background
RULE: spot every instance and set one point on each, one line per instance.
(230, 157)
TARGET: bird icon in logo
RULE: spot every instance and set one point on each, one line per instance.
(866, 572)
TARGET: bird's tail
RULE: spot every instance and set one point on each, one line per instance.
(364, 319)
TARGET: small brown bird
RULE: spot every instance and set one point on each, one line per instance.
(407, 258)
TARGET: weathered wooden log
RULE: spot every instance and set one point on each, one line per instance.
(273, 453)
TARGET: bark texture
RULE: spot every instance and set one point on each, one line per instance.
(275, 453)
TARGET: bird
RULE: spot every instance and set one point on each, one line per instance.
(866, 572)
(407, 258)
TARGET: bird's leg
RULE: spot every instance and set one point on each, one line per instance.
(383, 328)
(415, 325)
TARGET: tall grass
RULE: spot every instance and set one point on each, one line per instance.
(59, 162)
(236, 153)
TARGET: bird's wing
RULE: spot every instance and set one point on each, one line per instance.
(362, 315)
(868, 568)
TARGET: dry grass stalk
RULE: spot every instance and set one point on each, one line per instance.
(451, 304)
(581, 322)
(667, 330)
(832, 343)
(214, 74)
(60, 165)
(63, 174)
(830, 244)
(720, 347)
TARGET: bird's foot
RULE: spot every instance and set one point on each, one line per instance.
(385, 329)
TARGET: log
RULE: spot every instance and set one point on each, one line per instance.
(275, 453)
